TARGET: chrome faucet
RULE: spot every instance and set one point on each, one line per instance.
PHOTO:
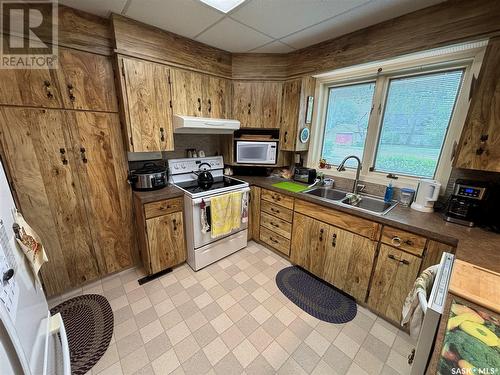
(341, 168)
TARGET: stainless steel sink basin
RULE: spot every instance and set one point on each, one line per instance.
(368, 203)
(375, 205)
(332, 194)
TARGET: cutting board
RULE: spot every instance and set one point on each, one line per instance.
(291, 186)
(476, 284)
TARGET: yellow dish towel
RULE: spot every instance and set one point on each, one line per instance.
(225, 213)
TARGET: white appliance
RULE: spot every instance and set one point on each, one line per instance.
(427, 193)
(256, 152)
(202, 249)
(200, 125)
(32, 342)
(432, 306)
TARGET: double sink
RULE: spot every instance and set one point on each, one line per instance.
(367, 203)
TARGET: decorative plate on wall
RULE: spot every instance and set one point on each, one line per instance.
(304, 135)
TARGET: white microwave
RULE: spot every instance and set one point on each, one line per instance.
(256, 152)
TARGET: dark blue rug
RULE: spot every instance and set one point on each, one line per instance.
(316, 297)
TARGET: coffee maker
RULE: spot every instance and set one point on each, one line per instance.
(467, 204)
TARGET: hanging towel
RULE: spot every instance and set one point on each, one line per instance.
(412, 311)
(226, 213)
(244, 207)
(205, 226)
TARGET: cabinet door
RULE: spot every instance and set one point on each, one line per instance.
(393, 278)
(348, 262)
(242, 102)
(167, 247)
(102, 168)
(434, 251)
(308, 243)
(254, 214)
(86, 81)
(186, 92)
(268, 100)
(480, 142)
(289, 114)
(148, 106)
(216, 97)
(29, 87)
(43, 167)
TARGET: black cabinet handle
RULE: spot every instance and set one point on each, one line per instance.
(162, 134)
(285, 137)
(64, 160)
(175, 224)
(82, 154)
(390, 256)
(199, 104)
(249, 108)
(48, 90)
(334, 239)
(209, 106)
(71, 93)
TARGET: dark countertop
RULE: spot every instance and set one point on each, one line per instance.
(170, 191)
(474, 245)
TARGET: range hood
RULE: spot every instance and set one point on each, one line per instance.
(200, 125)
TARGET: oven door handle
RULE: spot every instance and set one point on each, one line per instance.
(197, 201)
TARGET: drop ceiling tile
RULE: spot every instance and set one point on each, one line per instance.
(274, 47)
(369, 14)
(184, 17)
(101, 8)
(278, 18)
(233, 36)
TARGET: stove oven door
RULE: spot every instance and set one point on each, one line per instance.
(200, 238)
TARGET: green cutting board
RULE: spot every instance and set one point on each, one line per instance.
(291, 186)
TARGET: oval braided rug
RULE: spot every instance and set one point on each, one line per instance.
(88, 320)
(315, 296)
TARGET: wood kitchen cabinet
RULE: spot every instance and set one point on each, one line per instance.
(293, 112)
(348, 261)
(68, 171)
(393, 278)
(200, 95)
(479, 146)
(257, 104)
(81, 81)
(160, 227)
(254, 213)
(146, 105)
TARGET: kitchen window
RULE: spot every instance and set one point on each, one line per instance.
(402, 118)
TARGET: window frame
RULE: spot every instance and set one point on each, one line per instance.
(468, 57)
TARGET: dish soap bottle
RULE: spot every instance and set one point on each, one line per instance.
(388, 193)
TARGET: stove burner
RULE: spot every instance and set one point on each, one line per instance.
(219, 182)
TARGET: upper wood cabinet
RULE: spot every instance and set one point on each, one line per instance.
(393, 278)
(200, 95)
(479, 146)
(68, 171)
(81, 81)
(146, 102)
(293, 113)
(257, 104)
(86, 81)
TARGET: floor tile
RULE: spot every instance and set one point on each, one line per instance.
(164, 307)
(306, 357)
(288, 341)
(236, 312)
(166, 363)
(136, 294)
(376, 347)
(291, 367)
(346, 344)
(228, 365)
(226, 301)
(232, 337)
(129, 344)
(215, 350)
(356, 370)
(273, 326)
(217, 291)
(285, 315)
(135, 361)
(187, 309)
(140, 305)
(247, 325)
(205, 335)
(317, 343)
(178, 333)
(260, 339)
(368, 362)
(150, 331)
(260, 314)
(114, 369)
(157, 346)
(322, 368)
(212, 311)
(124, 329)
(355, 332)
(383, 333)
(221, 323)
(300, 328)
(198, 364)
(275, 355)
(170, 319)
(196, 321)
(109, 358)
(245, 353)
(398, 362)
(337, 360)
(186, 348)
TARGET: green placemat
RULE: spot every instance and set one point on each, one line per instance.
(291, 186)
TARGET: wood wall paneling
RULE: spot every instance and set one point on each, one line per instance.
(269, 66)
(141, 40)
(480, 141)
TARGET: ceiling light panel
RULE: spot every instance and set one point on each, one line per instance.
(223, 5)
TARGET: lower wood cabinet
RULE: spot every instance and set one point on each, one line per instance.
(254, 213)
(342, 258)
(166, 245)
(160, 227)
(393, 278)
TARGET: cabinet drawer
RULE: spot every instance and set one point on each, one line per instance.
(281, 227)
(277, 211)
(406, 241)
(163, 207)
(277, 198)
(275, 240)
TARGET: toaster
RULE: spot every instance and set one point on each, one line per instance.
(304, 175)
